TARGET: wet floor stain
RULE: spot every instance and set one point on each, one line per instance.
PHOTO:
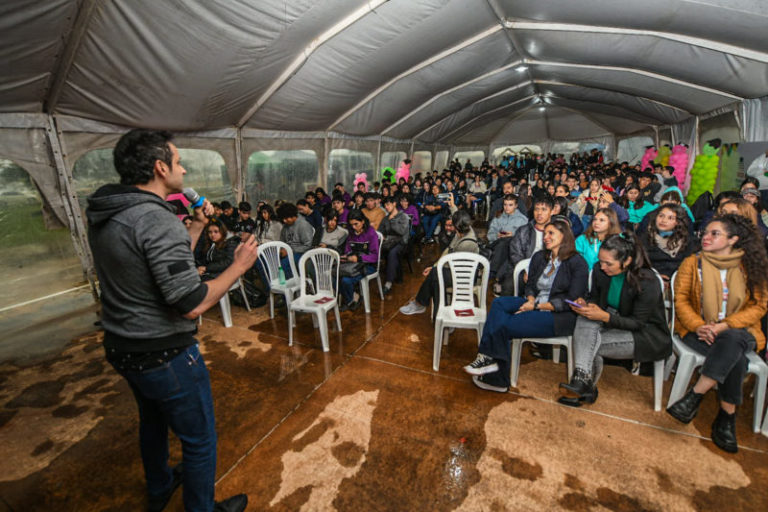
(340, 434)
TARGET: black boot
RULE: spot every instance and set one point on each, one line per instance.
(724, 431)
(685, 409)
(579, 390)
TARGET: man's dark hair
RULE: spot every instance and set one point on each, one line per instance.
(136, 153)
(244, 206)
(310, 194)
(226, 205)
(286, 211)
(370, 195)
(331, 214)
(510, 197)
(389, 199)
(302, 202)
(545, 200)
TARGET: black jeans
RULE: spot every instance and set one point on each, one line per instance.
(726, 361)
(430, 288)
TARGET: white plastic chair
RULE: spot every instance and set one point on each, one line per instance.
(325, 282)
(269, 256)
(658, 366)
(365, 289)
(462, 312)
(689, 360)
(226, 308)
(555, 341)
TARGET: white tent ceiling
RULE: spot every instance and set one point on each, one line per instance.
(433, 71)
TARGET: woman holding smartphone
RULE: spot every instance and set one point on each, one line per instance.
(624, 317)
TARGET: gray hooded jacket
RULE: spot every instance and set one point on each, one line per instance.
(146, 270)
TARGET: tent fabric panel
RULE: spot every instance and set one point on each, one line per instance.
(461, 98)
(33, 35)
(661, 113)
(721, 71)
(735, 22)
(754, 119)
(411, 91)
(693, 100)
(29, 149)
(595, 107)
(528, 127)
(366, 55)
(476, 112)
(618, 125)
(125, 65)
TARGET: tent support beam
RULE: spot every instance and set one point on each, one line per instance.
(670, 36)
(240, 189)
(636, 71)
(80, 26)
(476, 118)
(71, 206)
(445, 53)
(306, 53)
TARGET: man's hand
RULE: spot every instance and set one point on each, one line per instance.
(283, 253)
(203, 212)
(246, 254)
(427, 271)
(201, 270)
(352, 258)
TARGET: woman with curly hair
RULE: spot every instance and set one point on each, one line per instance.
(667, 240)
(720, 299)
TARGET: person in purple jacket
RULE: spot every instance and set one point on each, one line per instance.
(408, 208)
(362, 245)
(340, 206)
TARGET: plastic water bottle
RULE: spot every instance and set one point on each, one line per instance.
(280, 275)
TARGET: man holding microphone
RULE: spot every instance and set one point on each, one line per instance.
(151, 294)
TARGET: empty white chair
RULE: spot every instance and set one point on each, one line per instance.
(226, 308)
(689, 360)
(555, 341)
(269, 256)
(325, 282)
(365, 289)
(462, 312)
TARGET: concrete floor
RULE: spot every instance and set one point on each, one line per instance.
(370, 426)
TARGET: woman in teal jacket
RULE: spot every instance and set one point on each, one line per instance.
(604, 224)
(637, 208)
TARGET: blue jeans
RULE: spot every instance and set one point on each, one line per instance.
(177, 395)
(502, 325)
(348, 283)
(430, 223)
(287, 266)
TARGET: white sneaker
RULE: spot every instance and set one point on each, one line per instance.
(413, 308)
(478, 381)
(481, 365)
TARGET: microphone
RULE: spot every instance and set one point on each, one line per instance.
(193, 197)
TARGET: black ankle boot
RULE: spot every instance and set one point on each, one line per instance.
(685, 409)
(579, 389)
(724, 431)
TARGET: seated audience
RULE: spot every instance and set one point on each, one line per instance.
(527, 240)
(296, 232)
(268, 228)
(561, 208)
(604, 224)
(362, 246)
(229, 215)
(636, 205)
(720, 299)
(501, 231)
(333, 236)
(667, 241)
(432, 211)
(372, 210)
(219, 251)
(245, 225)
(463, 241)
(312, 216)
(556, 273)
(396, 228)
(624, 317)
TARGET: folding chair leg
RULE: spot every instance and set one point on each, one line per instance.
(271, 304)
(291, 321)
(555, 354)
(226, 312)
(658, 384)
(338, 318)
(245, 297)
(365, 291)
(683, 376)
(514, 367)
(438, 345)
(760, 383)
(322, 322)
(381, 289)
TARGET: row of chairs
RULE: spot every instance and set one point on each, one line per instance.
(463, 312)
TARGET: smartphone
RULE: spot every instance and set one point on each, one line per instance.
(574, 304)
